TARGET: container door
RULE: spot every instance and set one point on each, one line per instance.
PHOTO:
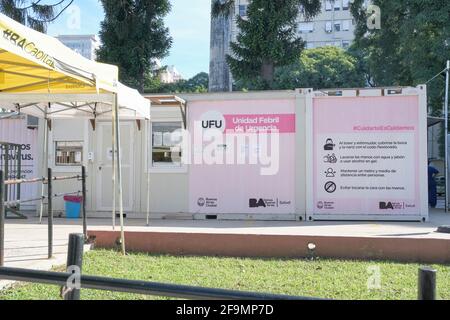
(104, 166)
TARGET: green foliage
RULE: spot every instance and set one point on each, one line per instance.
(411, 47)
(321, 68)
(133, 35)
(222, 8)
(33, 14)
(197, 84)
(267, 39)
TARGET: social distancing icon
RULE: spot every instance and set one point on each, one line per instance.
(330, 173)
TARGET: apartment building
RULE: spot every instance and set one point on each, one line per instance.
(333, 26)
(86, 45)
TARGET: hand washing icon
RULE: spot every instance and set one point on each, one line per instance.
(330, 158)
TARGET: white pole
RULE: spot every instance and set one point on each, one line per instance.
(149, 145)
(114, 170)
(447, 83)
(44, 167)
(119, 172)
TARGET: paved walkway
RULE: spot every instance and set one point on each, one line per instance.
(26, 240)
(26, 244)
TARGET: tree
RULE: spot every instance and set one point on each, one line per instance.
(133, 36)
(33, 13)
(197, 84)
(411, 46)
(267, 37)
(321, 68)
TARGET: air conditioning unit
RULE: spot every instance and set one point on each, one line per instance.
(32, 122)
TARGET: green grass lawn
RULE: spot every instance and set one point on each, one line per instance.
(322, 278)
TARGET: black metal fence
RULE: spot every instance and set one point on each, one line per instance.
(11, 165)
(72, 282)
(6, 202)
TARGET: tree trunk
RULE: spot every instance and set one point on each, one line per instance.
(141, 82)
(267, 71)
(219, 71)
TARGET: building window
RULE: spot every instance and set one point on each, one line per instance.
(306, 27)
(345, 44)
(166, 150)
(337, 25)
(337, 5)
(328, 26)
(346, 25)
(328, 5)
(345, 4)
(69, 153)
(243, 10)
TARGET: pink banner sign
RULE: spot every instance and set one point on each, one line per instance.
(366, 156)
(255, 123)
(242, 187)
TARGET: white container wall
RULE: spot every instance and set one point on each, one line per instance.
(340, 155)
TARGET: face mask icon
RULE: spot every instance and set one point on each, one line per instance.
(329, 145)
(330, 158)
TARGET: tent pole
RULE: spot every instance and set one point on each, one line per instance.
(114, 171)
(44, 166)
(119, 172)
(149, 145)
(447, 84)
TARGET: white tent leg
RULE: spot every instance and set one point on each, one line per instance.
(114, 173)
(447, 84)
(119, 172)
(148, 173)
(44, 168)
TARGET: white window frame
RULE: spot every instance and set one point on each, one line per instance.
(346, 25)
(55, 153)
(328, 26)
(328, 5)
(245, 6)
(162, 168)
(306, 27)
(337, 5)
(52, 150)
(337, 23)
(345, 4)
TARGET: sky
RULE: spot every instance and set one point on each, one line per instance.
(189, 24)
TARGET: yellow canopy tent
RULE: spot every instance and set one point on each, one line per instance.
(40, 76)
(34, 62)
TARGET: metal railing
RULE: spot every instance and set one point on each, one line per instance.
(6, 202)
(11, 165)
(139, 287)
(72, 282)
